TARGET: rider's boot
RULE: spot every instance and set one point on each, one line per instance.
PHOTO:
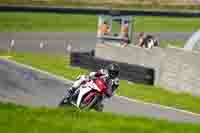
(67, 97)
(71, 92)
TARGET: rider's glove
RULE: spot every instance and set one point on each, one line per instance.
(92, 75)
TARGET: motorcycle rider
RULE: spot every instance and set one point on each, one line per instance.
(109, 74)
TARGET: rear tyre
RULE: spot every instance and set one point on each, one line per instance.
(99, 107)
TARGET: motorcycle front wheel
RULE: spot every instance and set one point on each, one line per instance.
(89, 105)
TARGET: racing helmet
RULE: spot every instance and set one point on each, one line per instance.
(113, 70)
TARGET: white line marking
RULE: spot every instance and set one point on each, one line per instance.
(41, 71)
(158, 105)
(122, 97)
(5, 57)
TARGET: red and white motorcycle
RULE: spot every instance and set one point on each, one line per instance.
(88, 96)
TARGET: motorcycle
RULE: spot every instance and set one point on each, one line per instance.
(88, 96)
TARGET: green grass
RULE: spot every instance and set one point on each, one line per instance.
(59, 65)
(119, 4)
(44, 22)
(172, 43)
(56, 64)
(159, 95)
(166, 24)
(20, 119)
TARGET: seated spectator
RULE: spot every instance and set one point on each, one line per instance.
(124, 33)
(147, 41)
(141, 39)
(124, 29)
(104, 29)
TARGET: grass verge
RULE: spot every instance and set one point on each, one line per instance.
(119, 4)
(38, 120)
(59, 65)
(172, 43)
(51, 22)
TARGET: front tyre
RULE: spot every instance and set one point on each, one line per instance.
(89, 104)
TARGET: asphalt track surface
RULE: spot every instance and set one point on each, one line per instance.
(56, 41)
(84, 36)
(23, 85)
(26, 86)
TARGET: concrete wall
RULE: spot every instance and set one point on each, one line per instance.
(176, 69)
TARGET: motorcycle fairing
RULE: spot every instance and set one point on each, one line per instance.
(87, 87)
(100, 85)
(82, 92)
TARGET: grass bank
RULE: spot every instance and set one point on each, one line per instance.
(172, 43)
(119, 4)
(22, 119)
(59, 65)
(46, 22)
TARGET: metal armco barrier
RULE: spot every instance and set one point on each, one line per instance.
(134, 73)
